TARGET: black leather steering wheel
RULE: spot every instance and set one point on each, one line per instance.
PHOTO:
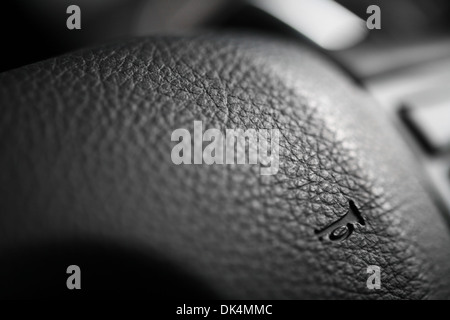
(86, 178)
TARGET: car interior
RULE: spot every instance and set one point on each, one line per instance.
(120, 177)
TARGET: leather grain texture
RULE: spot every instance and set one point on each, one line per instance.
(85, 157)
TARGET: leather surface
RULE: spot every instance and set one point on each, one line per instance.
(85, 158)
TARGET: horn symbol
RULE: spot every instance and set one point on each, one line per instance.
(344, 227)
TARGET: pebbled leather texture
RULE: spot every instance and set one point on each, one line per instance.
(85, 155)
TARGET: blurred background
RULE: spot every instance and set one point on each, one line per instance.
(34, 30)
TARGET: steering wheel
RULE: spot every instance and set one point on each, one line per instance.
(87, 178)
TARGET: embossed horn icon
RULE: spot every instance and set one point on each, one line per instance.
(344, 227)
